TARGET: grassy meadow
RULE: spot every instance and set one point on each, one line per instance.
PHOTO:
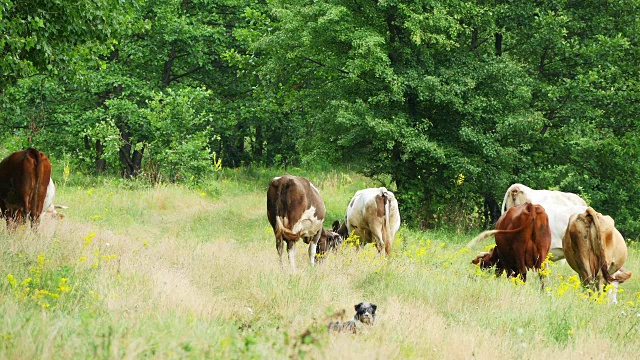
(168, 272)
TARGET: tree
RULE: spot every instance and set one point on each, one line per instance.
(42, 36)
(453, 100)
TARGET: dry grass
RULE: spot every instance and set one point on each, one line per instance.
(168, 273)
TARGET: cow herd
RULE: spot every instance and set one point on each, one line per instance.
(535, 224)
(589, 241)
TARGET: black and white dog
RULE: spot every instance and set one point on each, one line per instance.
(365, 315)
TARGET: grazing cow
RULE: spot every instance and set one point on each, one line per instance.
(295, 210)
(49, 208)
(489, 259)
(518, 194)
(51, 211)
(596, 250)
(373, 214)
(24, 178)
(558, 221)
(522, 238)
(329, 240)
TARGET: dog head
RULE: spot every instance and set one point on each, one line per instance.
(366, 313)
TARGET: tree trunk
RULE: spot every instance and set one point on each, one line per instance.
(474, 39)
(491, 211)
(166, 70)
(131, 162)
(101, 164)
(498, 44)
(259, 144)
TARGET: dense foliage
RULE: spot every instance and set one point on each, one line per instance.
(447, 102)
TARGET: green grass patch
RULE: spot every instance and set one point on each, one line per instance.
(171, 271)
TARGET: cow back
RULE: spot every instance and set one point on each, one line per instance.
(373, 203)
(580, 238)
(292, 199)
(523, 238)
(518, 194)
(24, 178)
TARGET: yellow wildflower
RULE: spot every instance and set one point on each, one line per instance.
(12, 280)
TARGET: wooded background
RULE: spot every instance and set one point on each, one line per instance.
(446, 102)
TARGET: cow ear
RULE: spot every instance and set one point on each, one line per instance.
(357, 307)
(335, 226)
(374, 307)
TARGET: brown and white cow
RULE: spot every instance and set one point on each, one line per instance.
(518, 194)
(24, 178)
(522, 238)
(596, 250)
(295, 210)
(373, 214)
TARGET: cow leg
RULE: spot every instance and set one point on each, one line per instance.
(280, 248)
(377, 237)
(362, 237)
(613, 293)
(387, 246)
(541, 279)
(522, 270)
(291, 252)
(14, 219)
(313, 242)
(523, 275)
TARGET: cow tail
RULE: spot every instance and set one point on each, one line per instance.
(281, 229)
(39, 173)
(596, 245)
(385, 195)
(482, 236)
(490, 233)
(385, 207)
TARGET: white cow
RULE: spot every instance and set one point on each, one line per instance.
(373, 214)
(49, 207)
(518, 194)
(558, 221)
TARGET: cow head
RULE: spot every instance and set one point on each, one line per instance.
(340, 229)
(488, 259)
(329, 240)
(517, 195)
